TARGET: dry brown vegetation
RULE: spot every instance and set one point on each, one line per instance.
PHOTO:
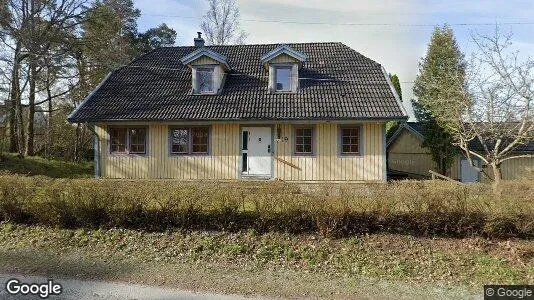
(368, 266)
(417, 208)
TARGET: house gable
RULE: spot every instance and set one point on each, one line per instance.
(283, 50)
(204, 52)
(407, 142)
(283, 58)
(204, 60)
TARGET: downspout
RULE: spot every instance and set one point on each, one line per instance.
(96, 145)
(385, 152)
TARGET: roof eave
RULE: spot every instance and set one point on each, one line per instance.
(71, 118)
(404, 126)
(204, 52)
(283, 49)
(394, 91)
(369, 119)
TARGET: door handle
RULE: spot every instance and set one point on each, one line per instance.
(268, 148)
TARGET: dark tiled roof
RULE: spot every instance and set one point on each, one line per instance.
(416, 126)
(336, 82)
(475, 144)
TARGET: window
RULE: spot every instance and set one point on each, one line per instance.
(128, 140)
(350, 140)
(180, 141)
(205, 80)
(283, 78)
(304, 140)
(194, 140)
(118, 140)
(137, 140)
(199, 140)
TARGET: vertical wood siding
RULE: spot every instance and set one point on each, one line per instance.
(158, 163)
(224, 162)
(326, 164)
(282, 58)
(407, 155)
(204, 60)
(519, 168)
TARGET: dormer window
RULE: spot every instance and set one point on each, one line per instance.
(283, 78)
(205, 80)
(283, 64)
(208, 70)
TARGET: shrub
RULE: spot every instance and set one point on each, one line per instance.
(409, 207)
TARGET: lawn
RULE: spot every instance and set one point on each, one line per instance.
(34, 165)
(271, 264)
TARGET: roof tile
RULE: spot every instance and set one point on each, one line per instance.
(336, 82)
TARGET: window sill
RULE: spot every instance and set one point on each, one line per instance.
(304, 154)
(350, 154)
(124, 154)
(188, 154)
(282, 92)
(203, 94)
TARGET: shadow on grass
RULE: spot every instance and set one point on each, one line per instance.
(34, 165)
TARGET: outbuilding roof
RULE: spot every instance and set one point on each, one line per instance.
(417, 129)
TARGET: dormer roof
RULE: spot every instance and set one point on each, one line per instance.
(283, 49)
(205, 52)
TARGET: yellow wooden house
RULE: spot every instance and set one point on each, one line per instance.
(307, 112)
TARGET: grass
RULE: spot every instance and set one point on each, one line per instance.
(273, 264)
(34, 165)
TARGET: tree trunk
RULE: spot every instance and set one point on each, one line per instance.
(20, 128)
(32, 78)
(31, 111)
(497, 178)
(497, 174)
(12, 125)
(18, 106)
(14, 100)
(48, 120)
(77, 143)
(442, 167)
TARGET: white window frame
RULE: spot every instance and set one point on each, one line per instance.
(275, 77)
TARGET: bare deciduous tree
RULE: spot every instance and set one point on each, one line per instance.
(221, 23)
(493, 115)
(35, 28)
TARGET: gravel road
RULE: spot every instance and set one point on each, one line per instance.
(97, 290)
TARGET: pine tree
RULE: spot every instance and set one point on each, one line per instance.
(441, 77)
(396, 84)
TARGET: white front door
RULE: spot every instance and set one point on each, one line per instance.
(468, 173)
(256, 151)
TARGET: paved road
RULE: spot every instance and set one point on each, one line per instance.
(96, 290)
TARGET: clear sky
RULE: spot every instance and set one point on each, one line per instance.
(398, 44)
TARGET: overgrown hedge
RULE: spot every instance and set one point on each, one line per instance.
(410, 207)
